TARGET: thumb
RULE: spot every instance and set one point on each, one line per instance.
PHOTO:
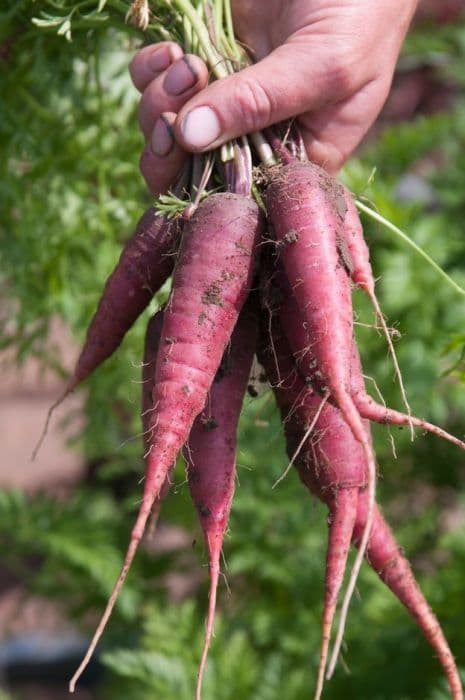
(289, 81)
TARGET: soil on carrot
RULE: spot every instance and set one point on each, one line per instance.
(212, 294)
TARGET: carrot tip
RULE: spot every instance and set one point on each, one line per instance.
(69, 388)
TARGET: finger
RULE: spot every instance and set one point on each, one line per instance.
(331, 134)
(150, 61)
(260, 95)
(162, 159)
(171, 89)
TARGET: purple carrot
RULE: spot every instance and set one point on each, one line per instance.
(337, 472)
(211, 454)
(146, 262)
(332, 465)
(151, 344)
(211, 282)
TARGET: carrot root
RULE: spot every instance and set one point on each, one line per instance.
(72, 384)
(132, 549)
(339, 538)
(372, 410)
(392, 352)
(386, 558)
(214, 576)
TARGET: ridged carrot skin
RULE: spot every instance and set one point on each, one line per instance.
(211, 282)
(353, 248)
(146, 262)
(307, 208)
(329, 465)
(151, 345)
(211, 453)
(332, 466)
(387, 559)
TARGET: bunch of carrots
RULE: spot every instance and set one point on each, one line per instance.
(264, 267)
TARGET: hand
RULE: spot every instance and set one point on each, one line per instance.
(328, 62)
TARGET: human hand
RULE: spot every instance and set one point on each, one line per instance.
(327, 62)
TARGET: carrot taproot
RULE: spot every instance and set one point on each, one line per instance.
(332, 466)
(145, 263)
(212, 279)
(387, 559)
(151, 345)
(336, 475)
(306, 209)
(211, 454)
(356, 256)
(372, 410)
(295, 329)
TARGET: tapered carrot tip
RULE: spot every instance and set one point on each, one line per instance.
(387, 559)
(71, 385)
(325, 638)
(214, 575)
(153, 522)
(343, 517)
(136, 536)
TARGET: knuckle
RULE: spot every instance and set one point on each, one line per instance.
(253, 104)
(340, 76)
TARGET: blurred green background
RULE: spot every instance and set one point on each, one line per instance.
(69, 196)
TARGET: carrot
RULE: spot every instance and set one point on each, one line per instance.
(332, 465)
(151, 345)
(146, 262)
(211, 282)
(343, 452)
(387, 559)
(355, 255)
(337, 472)
(211, 454)
(306, 211)
(283, 302)
(293, 325)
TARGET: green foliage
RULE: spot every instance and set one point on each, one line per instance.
(72, 195)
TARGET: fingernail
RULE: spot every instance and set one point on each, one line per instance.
(200, 127)
(159, 59)
(180, 77)
(162, 138)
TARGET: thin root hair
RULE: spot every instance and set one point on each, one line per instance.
(302, 442)
(398, 373)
